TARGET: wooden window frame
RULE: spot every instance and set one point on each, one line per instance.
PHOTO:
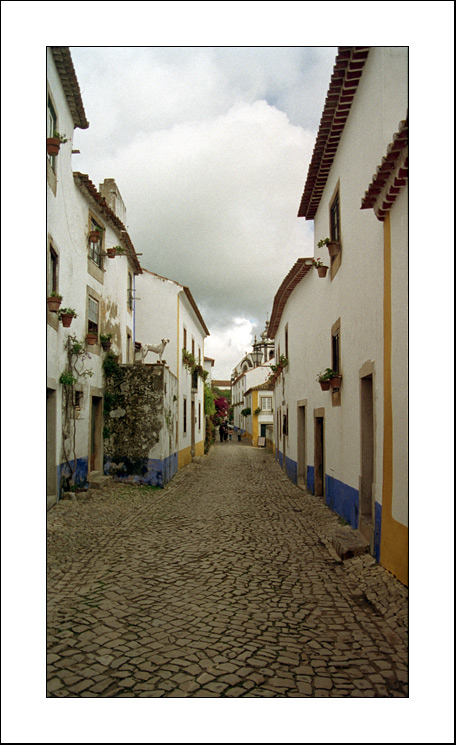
(96, 250)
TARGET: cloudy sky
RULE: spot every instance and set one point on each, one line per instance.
(209, 147)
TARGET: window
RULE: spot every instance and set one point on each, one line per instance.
(53, 262)
(335, 347)
(92, 315)
(193, 347)
(286, 341)
(130, 292)
(78, 396)
(334, 219)
(185, 416)
(199, 416)
(96, 249)
(185, 338)
(128, 348)
(51, 127)
(266, 403)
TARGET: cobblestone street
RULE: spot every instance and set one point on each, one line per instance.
(223, 584)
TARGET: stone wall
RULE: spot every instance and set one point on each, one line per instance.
(140, 424)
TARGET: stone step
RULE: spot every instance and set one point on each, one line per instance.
(348, 543)
(97, 480)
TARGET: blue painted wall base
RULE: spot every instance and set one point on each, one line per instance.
(79, 479)
(147, 471)
(342, 499)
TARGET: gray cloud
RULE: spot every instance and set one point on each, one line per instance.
(210, 148)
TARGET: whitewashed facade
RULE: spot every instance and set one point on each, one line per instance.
(95, 287)
(338, 443)
(166, 310)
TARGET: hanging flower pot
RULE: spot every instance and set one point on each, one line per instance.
(66, 315)
(66, 319)
(105, 341)
(94, 236)
(91, 338)
(53, 145)
(111, 253)
(333, 248)
(322, 270)
(325, 385)
(53, 303)
(335, 381)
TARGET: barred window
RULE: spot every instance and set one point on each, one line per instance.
(92, 315)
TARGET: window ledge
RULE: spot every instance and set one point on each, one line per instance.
(95, 271)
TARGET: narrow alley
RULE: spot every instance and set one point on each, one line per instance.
(223, 584)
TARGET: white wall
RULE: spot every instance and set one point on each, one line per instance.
(399, 355)
(355, 295)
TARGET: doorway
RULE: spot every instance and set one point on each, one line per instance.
(192, 449)
(96, 434)
(319, 456)
(51, 447)
(367, 457)
(301, 447)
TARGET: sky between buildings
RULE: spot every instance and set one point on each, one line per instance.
(209, 147)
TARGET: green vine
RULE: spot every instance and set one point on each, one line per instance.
(76, 356)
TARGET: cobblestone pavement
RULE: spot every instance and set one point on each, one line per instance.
(223, 584)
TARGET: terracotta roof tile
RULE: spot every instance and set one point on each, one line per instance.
(344, 82)
(391, 175)
(83, 182)
(293, 278)
(67, 74)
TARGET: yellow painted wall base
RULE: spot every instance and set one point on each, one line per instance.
(394, 549)
(185, 455)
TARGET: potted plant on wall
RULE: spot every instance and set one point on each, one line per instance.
(95, 234)
(332, 246)
(91, 337)
(53, 143)
(336, 380)
(114, 251)
(324, 378)
(105, 341)
(320, 267)
(66, 315)
(54, 301)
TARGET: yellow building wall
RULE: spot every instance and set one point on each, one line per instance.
(394, 536)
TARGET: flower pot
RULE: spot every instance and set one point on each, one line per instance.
(94, 236)
(106, 345)
(52, 145)
(335, 381)
(322, 271)
(111, 253)
(66, 319)
(53, 304)
(91, 338)
(333, 248)
(324, 385)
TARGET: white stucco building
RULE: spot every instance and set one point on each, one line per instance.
(99, 291)
(166, 310)
(349, 444)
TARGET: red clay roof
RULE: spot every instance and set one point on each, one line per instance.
(83, 182)
(392, 169)
(346, 75)
(293, 278)
(67, 75)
